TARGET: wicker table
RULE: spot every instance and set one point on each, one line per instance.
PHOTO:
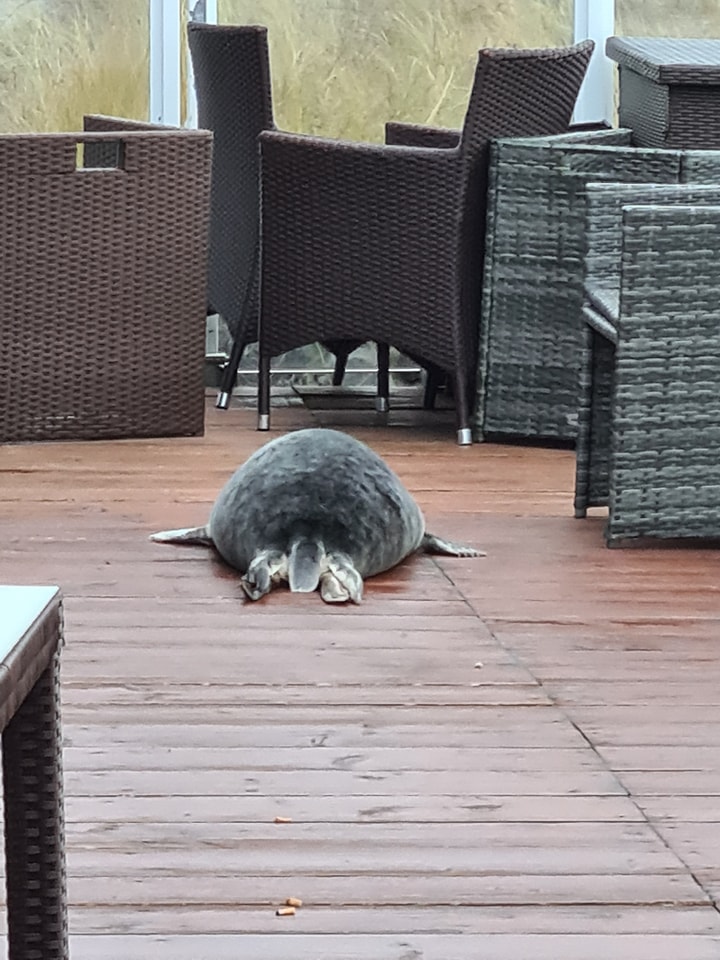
(669, 90)
(30, 640)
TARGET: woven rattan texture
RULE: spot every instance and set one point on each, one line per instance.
(385, 242)
(604, 233)
(650, 412)
(34, 822)
(669, 116)
(669, 90)
(531, 333)
(669, 60)
(232, 83)
(103, 294)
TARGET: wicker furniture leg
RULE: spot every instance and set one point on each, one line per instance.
(34, 825)
(264, 392)
(592, 450)
(382, 400)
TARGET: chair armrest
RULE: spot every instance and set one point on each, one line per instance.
(98, 122)
(416, 135)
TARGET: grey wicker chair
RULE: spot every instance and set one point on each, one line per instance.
(384, 242)
(649, 420)
(531, 334)
(231, 68)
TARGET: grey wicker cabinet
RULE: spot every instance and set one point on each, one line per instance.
(669, 90)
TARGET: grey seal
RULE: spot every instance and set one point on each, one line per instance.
(314, 507)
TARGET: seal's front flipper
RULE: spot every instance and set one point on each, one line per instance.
(432, 544)
(197, 535)
(341, 581)
(266, 569)
(304, 565)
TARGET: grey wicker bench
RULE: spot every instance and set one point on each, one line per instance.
(649, 418)
(531, 330)
(30, 641)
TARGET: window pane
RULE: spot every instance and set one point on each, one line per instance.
(343, 67)
(667, 18)
(60, 59)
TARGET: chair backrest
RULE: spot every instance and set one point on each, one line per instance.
(523, 93)
(234, 100)
(604, 230)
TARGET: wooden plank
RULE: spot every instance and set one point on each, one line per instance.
(268, 728)
(392, 808)
(486, 921)
(220, 782)
(374, 890)
(408, 946)
(368, 760)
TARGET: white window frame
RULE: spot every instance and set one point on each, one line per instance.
(595, 20)
(166, 28)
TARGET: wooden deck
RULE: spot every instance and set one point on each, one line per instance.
(507, 758)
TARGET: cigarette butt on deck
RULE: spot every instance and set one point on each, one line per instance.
(293, 902)
(283, 820)
(285, 912)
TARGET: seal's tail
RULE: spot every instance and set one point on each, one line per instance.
(304, 565)
(186, 535)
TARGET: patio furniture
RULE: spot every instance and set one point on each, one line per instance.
(384, 242)
(669, 90)
(531, 329)
(30, 641)
(649, 423)
(103, 293)
(231, 68)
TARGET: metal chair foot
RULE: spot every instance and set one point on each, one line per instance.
(263, 422)
(464, 436)
(223, 400)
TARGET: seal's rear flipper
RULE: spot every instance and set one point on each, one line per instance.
(187, 535)
(266, 569)
(341, 581)
(304, 565)
(432, 544)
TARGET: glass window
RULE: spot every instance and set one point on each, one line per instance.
(341, 68)
(662, 18)
(60, 59)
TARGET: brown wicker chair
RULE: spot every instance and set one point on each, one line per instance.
(384, 242)
(110, 266)
(232, 81)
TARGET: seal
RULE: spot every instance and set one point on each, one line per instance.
(314, 507)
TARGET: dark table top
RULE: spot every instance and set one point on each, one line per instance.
(668, 59)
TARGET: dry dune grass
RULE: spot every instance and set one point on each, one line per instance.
(340, 67)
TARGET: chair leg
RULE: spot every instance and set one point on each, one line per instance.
(382, 401)
(433, 378)
(264, 392)
(464, 433)
(230, 374)
(341, 360)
